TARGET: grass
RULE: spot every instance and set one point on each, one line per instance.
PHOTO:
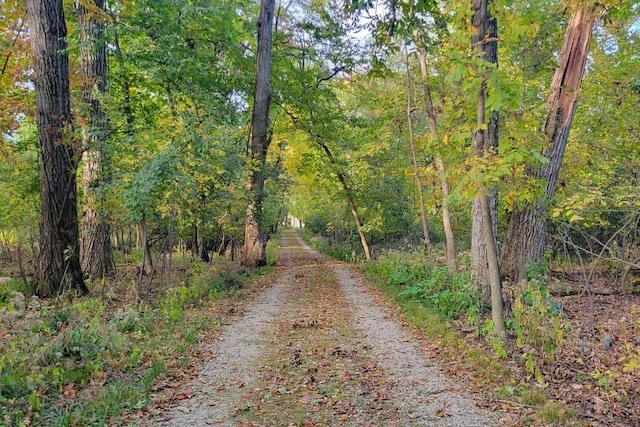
(94, 361)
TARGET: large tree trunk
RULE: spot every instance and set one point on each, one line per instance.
(484, 25)
(255, 238)
(350, 200)
(526, 234)
(95, 243)
(485, 41)
(450, 243)
(59, 258)
(414, 164)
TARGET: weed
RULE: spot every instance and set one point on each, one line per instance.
(605, 379)
(449, 293)
(8, 290)
(129, 321)
(539, 326)
(632, 359)
(554, 413)
(496, 343)
(120, 354)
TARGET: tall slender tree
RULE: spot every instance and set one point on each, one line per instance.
(59, 260)
(526, 234)
(484, 26)
(255, 238)
(450, 243)
(95, 242)
(348, 193)
(486, 42)
(414, 162)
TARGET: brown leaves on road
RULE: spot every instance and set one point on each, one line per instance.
(319, 370)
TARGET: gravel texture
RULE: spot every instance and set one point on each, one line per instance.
(423, 395)
(416, 388)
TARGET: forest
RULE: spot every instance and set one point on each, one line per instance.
(477, 161)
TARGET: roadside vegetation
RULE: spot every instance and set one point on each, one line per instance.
(97, 360)
(552, 362)
(481, 156)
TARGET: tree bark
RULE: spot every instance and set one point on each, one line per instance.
(450, 243)
(483, 23)
(95, 244)
(146, 266)
(350, 201)
(414, 163)
(485, 41)
(194, 238)
(255, 238)
(526, 234)
(59, 258)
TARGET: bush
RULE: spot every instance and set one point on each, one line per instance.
(539, 326)
(316, 224)
(203, 287)
(8, 289)
(449, 294)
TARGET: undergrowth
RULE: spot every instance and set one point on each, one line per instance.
(92, 361)
(343, 249)
(432, 297)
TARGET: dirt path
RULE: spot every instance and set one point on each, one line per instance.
(316, 349)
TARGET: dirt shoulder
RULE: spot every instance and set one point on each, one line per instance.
(316, 348)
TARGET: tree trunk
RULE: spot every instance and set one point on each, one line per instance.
(147, 261)
(414, 163)
(95, 243)
(485, 41)
(194, 238)
(526, 234)
(485, 26)
(350, 201)
(450, 243)
(59, 257)
(255, 239)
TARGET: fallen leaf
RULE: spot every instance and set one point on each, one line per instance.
(443, 412)
(68, 391)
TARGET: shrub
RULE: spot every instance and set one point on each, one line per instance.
(539, 326)
(449, 294)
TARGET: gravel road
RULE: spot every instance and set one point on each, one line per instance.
(316, 349)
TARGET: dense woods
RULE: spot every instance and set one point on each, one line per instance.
(494, 143)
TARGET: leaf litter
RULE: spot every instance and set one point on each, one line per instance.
(317, 349)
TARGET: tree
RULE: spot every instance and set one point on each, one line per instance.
(450, 243)
(348, 193)
(95, 243)
(525, 241)
(255, 239)
(414, 162)
(484, 41)
(59, 258)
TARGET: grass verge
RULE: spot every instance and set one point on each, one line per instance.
(95, 361)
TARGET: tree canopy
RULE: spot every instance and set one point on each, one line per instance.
(178, 93)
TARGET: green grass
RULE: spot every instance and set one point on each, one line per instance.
(104, 359)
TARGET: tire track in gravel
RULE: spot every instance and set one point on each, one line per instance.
(235, 377)
(422, 394)
(218, 387)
